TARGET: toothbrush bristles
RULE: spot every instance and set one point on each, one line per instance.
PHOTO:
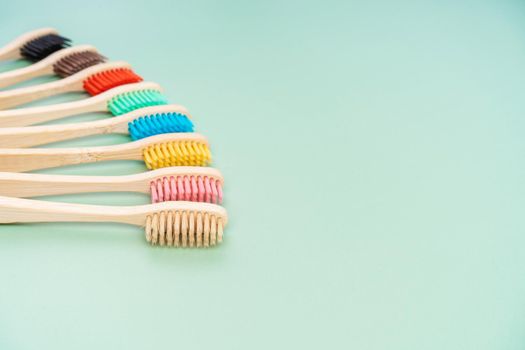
(186, 188)
(108, 79)
(76, 62)
(43, 46)
(177, 153)
(184, 228)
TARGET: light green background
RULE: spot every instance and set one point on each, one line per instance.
(373, 156)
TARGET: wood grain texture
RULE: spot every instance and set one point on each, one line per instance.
(41, 114)
(11, 51)
(73, 83)
(28, 136)
(27, 159)
(34, 185)
(17, 210)
(41, 68)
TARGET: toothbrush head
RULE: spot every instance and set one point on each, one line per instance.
(76, 62)
(132, 100)
(43, 46)
(159, 123)
(195, 188)
(108, 79)
(177, 153)
(182, 228)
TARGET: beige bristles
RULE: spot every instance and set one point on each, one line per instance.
(199, 230)
(169, 229)
(206, 229)
(184, 228)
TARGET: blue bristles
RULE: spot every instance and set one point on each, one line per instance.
(160, 123)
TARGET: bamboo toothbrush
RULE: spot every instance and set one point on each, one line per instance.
(171, 224)
(93, 80)
(158, 151)
(117, 101)
(63, 63)
(138, 124)
(183, 183)
(34, 45)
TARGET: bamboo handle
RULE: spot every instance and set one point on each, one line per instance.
(72, 83)
(36, 115)
(35, 185)
(23, 74)
(9, 53)
(27, 159)
(12, 50)
(41, 68)
(17, 97)
(29, 136)
(14, 210)
(98, 103)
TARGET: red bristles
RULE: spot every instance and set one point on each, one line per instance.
(103, 81)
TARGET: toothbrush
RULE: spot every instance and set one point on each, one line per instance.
(62, 63)
(34, 45)
(137, 124)
(184, 183)
(117, 101)
(171, 224)
(93, 80)
(157, 151)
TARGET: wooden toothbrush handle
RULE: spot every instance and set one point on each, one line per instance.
(9, 52)
(35, 185)
(27, 159)
(17, 97)
(12, 49)
(29, 136)
(13, 210)
(36, 115)
(23, 74)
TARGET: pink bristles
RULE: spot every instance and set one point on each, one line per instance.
(186, 188)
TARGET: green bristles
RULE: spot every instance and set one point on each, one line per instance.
(130, 101)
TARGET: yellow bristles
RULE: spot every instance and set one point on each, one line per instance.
(177, 153)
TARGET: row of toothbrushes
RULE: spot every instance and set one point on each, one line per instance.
(185, 192)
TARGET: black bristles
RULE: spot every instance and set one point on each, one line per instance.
(43, 46)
